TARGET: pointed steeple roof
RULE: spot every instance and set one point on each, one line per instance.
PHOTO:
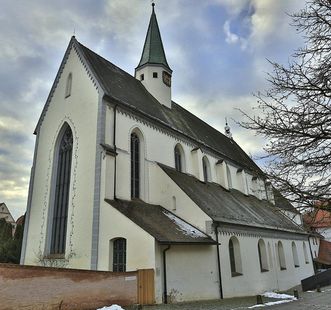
(153, 51)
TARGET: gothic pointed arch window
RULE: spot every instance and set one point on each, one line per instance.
(135, 166)
(62, 171)
(68, 85)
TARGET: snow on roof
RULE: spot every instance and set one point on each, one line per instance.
(184, 227)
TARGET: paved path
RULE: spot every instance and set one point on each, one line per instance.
(307, 301)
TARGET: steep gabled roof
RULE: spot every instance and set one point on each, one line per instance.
(231, 206)
(128, 91)
(153, 51)
(160, 223)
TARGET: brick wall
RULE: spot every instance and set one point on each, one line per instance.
(31, 287)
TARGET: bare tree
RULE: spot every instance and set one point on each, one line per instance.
(296, 112)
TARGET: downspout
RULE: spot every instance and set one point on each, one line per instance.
(115, 149)
(219, 262)
(165, 293)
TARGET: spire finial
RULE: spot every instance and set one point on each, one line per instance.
(227, 129)
(153, 5)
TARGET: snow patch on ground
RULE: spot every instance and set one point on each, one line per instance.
(186, 228)
(285, 299)
(271, 303)
(278, 296)
(112, 307)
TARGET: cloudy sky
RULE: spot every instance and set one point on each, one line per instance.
(216, 48)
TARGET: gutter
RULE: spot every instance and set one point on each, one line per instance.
(165, 293)
(219, 262)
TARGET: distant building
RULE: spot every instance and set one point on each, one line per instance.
(318, 222)
(124, 178)
(5, 214)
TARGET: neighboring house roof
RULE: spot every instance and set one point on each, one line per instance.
(5, 213)
(231, 206)
(317, 219)
(153, 51)
(160, 223)
(282, 203)
(324, 253)
(127, 90)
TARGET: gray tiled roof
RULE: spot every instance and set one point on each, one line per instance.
(231, 206)
(160, 223)
(125, 89)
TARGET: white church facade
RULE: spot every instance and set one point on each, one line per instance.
(124, 178)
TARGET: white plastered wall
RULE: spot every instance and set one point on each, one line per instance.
(253, 281)
(192, 273)
(163, 188)
(140, 247)
(79, 110)
(158, 146)
(155, 86)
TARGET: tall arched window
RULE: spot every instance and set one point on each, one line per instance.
(178, 158)
(68, 85)
(295, 255)
(61, 196)
(206, 169)
(135, 166)
(262, 251)
(305, 253)
(281, 256)
(235, 258)
(119, 255)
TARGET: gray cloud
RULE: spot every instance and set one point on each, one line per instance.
(211, 76)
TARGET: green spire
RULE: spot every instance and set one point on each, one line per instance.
(153, 52)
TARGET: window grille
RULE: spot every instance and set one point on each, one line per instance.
(119, 255)
(135, 166)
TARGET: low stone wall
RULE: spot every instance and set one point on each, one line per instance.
(31, 287)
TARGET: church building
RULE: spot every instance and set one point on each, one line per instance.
(125, 178)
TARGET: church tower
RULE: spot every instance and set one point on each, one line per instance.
(153, 70)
